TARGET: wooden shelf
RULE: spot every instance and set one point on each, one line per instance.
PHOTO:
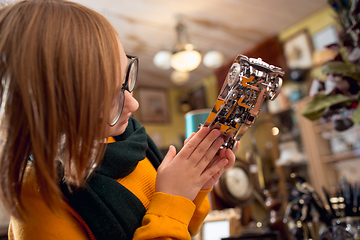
(324, 127)
(318, 151)
(318, 148)
(341, 156)
(3, 230)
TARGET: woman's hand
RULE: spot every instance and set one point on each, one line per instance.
(222, 154)
(186, 173)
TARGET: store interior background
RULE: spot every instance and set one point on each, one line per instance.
(322, 163)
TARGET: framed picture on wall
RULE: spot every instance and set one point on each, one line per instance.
(198, 98)
(220, 224)
(325, 37)
(154, 106)
(298, 51)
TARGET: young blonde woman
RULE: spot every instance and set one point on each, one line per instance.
(74, 164)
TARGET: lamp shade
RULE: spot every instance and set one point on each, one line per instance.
(185, 60)
(179, 78)
(162, 59)
(193, 119)
(213, 59)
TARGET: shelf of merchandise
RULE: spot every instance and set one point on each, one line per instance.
(318, 151)
(341, 156)
(334, 157)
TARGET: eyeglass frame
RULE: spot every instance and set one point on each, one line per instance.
(125, 86)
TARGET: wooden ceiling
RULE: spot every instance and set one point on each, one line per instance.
(230, 26)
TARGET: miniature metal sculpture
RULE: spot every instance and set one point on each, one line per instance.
(248, 83)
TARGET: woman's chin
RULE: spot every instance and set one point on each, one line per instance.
(118, 129)
(121, 129)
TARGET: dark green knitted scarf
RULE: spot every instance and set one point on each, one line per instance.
(108, 208)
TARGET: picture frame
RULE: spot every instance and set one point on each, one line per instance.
(325, 37)
(298, 51)
(220, 224)
(154, 106)
(198, 98)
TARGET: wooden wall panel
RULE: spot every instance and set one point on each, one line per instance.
(269, 51)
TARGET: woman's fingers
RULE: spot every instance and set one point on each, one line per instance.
(222, 153)
(192, 144)
(188, 139)
(231, 157)
(207, 159)
(207, 147)
(211, 182)
(199, 143)
(197, 165)
(214, 170)
(237, 145)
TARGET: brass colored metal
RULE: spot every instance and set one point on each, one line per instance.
(248, 83)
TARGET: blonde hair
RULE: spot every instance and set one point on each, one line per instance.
(59, 63)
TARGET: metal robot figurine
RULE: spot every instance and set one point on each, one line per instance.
(248, 83)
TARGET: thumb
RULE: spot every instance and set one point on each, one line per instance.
(169, 155)
(237, 145)
(222, 153)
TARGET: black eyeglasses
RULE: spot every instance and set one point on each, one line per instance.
(128, 85)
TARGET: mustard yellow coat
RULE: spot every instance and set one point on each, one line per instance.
(167, 216)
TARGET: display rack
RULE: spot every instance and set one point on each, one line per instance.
(319, 152)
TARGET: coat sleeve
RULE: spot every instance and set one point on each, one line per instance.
(173, 217)
(167, 217)
(202, 210)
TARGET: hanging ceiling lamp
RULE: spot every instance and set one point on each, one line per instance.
(179, 78)
(213, 59)
(162, 59)
(185, 57)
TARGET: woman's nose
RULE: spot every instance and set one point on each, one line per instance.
(131, 104)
